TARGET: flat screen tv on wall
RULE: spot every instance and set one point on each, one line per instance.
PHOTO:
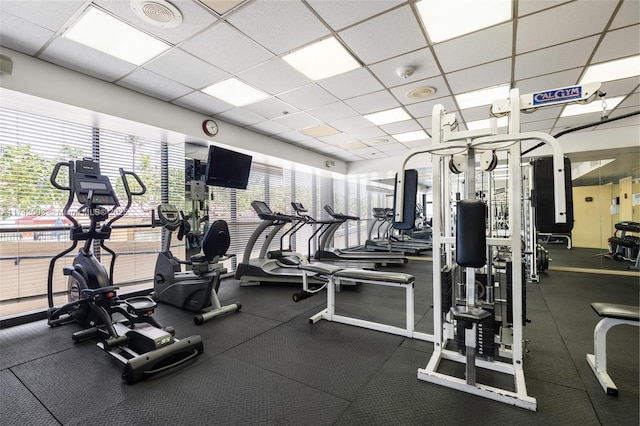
(228, 169)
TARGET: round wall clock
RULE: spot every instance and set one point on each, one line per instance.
(210, 127)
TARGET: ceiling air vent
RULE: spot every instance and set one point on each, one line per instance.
(421, 92)
(160, 13)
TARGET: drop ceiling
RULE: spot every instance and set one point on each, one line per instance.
(546, 44)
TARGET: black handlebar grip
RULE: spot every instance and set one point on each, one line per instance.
(54, 175)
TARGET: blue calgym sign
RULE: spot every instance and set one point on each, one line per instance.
(557, 95)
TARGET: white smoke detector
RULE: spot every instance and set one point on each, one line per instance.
(160, 13)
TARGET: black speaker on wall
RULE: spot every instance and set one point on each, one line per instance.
(543, 196)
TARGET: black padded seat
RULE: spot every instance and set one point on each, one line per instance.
(364, 275)
(612, 310)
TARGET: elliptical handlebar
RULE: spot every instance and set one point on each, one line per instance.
(129, 192)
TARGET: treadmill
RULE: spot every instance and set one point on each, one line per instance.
(395, 243)
(326, 252)
(276, 266)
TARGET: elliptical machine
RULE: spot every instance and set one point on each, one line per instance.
(137, 341)
(197, 289)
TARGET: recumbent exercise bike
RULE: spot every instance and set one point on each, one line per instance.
(197, 289)
(138, 341)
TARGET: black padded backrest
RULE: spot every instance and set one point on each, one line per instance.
(543, 196)
(410, 182)
(216, 240)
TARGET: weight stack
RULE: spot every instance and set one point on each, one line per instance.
(485, 341)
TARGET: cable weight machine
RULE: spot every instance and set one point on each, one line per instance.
(472, 329)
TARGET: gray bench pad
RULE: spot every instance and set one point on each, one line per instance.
(364, 275)
(612, 310)
(320, 268)
(357, 274)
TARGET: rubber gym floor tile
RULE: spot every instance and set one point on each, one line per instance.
(73, 382)
(274, 301)
(26, 342)
(225, 391)
(335, 358)
(396, 396)
(548, 358)
(18, 406)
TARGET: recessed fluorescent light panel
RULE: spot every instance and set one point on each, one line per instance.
(486, 123)
(595, 106)
(614, 70)
(411, 136)
(388, 116)
(235, 92)
(323, 59)
(482, 97)
(103, 32)
(446, 19)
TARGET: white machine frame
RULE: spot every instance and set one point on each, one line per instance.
(355, 276)
(447, 143)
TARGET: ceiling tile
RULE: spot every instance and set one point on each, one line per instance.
(152, 84)
(392, 146)
(240, 117)
(274, 77)
(373, 102)
(269, 128)
(51, 15)
(194, 19)
(201, 102)
(306, 97)
(333, 111)
(400, 92)
(340, 14)
(337, 139)
(620, 87)
(308, 143)
(185, 68)
(478, 48)
(488, 75)
(298, 121)
(415, 144)
(568, 22)
(367, 133)
(627, 15)
(350, 84)
(401, 127)
(532, 6)
(425, 109)
(280, 26)
(81, 58)
(553, 59)
(292, 136)
(422, 60)
(23, 36)
(549, 81)
(220, 44)
(386, 30)
(537, 126)
(328, 148)
(351, 123)
(618, 44)
(271, 108)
